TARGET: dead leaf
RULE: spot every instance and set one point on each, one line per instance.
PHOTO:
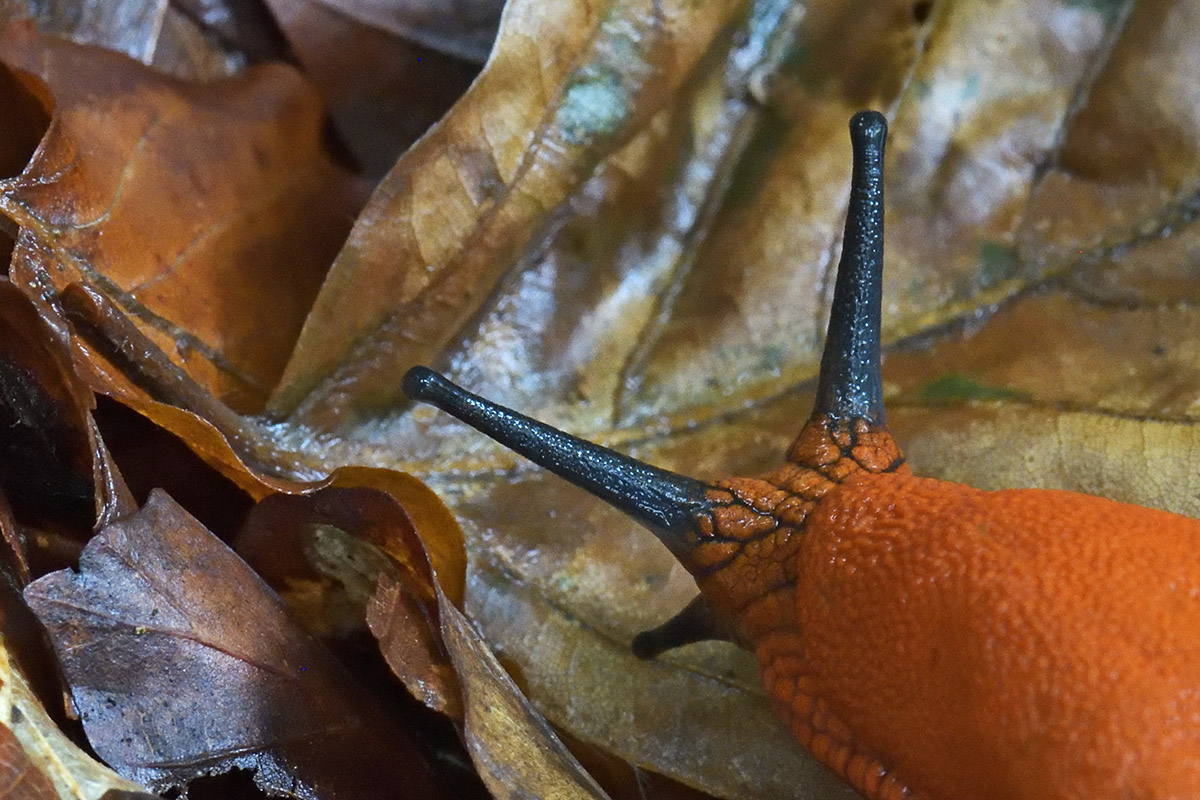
(656, 277)
(37, 761)
(183, 663)
(514, 749)
(619, 324)
(19, 779)
(567, 86)
(154, 32)
(383, 89)
(1128, 166)
(51, 457)
(435, 524)
(462, 28)
(1008, 445)
(114, 357)
(346, 558)
(206, 211)
(1063, 349)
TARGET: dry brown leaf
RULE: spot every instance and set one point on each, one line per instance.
(567, 85)
(1005, 445)
(608, 284)
(343, 557)
(31, 742)
(206, 212)
(993, 108)
(182, 663)
(1063, 349)
(516, 753)
(432, 521)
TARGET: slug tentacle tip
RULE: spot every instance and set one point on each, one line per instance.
(667, 503)
(849, 386)
(420, 383)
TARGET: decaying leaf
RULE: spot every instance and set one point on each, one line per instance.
(1060, 348)
(348, 556)
(628, 228)
(1148, 462)
(567, 86)
(516, 753)
(997, 181)
(206, 211)
(182, 663)
(37, 762)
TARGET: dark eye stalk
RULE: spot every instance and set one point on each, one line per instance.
(848, 388)
(663, 501)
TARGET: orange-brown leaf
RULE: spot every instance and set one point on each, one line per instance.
(206, 211)
(348, 556)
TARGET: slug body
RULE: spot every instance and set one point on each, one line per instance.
(922, 638)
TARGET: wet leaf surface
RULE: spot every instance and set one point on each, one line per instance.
(509, 153)
(683, 342)
(171, 685)
(628, 227)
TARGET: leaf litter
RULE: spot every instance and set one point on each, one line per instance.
(516, 264)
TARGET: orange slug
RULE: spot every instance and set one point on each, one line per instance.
(922, 638)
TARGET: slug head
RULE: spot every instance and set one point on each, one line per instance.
(739, 537)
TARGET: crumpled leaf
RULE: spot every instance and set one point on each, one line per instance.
(517, 754)
(205, 211)
(37, 762)
(612, 286)
(342, 534)
(114, 358)
(183, 663)
(683, 342)
(568, 84)
(348, 556)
